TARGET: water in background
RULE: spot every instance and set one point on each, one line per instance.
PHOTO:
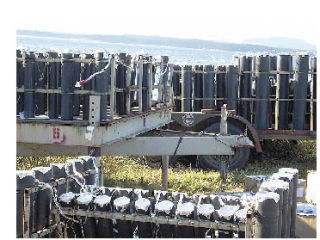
(176, 54)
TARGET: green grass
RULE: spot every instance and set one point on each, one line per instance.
(145, 172)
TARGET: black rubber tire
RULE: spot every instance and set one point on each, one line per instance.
(240, 158)
(173, 160)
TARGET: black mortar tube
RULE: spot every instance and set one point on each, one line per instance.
(186, 88)
(284, 64)
(67, 86)
(300, 92)
(29, 84)
(262, 93)
(232, 87)
(245, 90)
(208, 87)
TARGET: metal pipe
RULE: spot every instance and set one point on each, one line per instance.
(19, 83)
(232, 87)
(59, 82)
(150, 83)
(295, 174)
(67, 86)
(262, 92)
(245, 65)
(87, 70)
(140, 79)
(52, 84)
(221, 84)
(145, 85)
(29, 84)
(101, 84)
(208, 87)
(44, 198)
(128, 86)
(282, 92)
(133, 83)
(186, 88)
(278, 186)
(273, 87)
(300, 92)
(76, 78)
(40, 74)
(112, 87)
(176, 87)
(121, 83)
(287, 178)
(266, 221)
(197, 88)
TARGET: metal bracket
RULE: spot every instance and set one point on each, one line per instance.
(94, 113)
(224, 123)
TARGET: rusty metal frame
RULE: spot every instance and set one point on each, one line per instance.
(287, 134)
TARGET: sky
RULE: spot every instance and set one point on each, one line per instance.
(222, 20)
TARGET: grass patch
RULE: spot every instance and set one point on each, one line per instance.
(143, 172)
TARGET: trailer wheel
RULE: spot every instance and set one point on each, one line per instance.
(240, 157)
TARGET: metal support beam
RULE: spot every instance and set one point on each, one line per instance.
(75, 135)
(164, 172)
(145, 146)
